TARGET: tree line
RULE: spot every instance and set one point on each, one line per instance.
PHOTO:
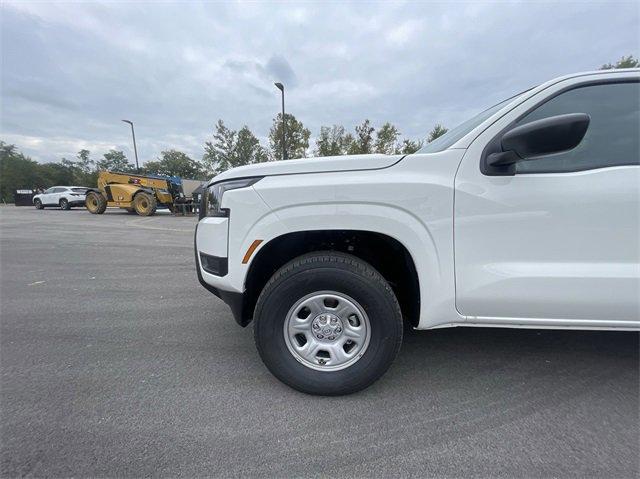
(230, 148)
(226, 149)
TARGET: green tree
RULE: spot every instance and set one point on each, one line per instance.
(247, 149)
(115, 160)
(624, 62)
(331, 141)
(82, 169)
(84, 161)
(17, 171)
(297, 137)
(218, 154)
(86, 171)
(410, 146)
(363, 142)
(69, 164)
(387, 139)
(348, 144)
(58, 173)
(20, 172)
(437, 132)
(231, 149)
(174, 163)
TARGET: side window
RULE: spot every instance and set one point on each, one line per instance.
(612, 137)
(48, 191)
(58, 190)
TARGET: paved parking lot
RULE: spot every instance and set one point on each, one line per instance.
(115, 362)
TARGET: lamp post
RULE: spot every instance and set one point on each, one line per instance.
(280, 87)
(135, 148)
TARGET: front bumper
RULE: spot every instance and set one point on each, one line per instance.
(222, 243)
(236, 301)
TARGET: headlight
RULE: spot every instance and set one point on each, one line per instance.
(212, 199)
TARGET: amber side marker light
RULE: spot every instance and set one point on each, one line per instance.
(252, 248)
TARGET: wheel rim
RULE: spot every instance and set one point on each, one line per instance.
(327, 331)
(63, 204)
(143, 204)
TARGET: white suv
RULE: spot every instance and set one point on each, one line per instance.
(525, 216)
(63, 196)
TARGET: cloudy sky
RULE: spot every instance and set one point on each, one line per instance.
(72, 71)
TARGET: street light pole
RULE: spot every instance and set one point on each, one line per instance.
(280, 87)
(135, 148)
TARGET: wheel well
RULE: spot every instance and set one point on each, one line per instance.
(141, 190)
(387, 255)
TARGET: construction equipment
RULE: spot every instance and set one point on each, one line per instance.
(140, 194)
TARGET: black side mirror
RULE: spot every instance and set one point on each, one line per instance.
(537, 139)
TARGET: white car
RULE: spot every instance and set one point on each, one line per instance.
(61, 196)
(525, 216)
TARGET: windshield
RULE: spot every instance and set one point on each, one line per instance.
(450, 137)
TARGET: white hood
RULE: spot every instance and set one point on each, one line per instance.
(311, 165)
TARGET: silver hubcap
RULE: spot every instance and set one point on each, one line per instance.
(327, 331)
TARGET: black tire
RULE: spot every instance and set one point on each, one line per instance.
(38, 204)
(347, 275)
(96, 203)
(145, 204)
(131, 211)
(64, 204)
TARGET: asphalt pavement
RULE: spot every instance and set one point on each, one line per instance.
(115, 362)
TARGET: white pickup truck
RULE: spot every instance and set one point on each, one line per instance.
(525, 216)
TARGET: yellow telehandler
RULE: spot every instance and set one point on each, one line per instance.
(139, 194)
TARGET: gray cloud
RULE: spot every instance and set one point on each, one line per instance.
(279, 68)
(72, 71)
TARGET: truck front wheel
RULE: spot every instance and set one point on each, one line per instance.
(327, 323)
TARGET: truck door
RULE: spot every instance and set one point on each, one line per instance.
(557, 243)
